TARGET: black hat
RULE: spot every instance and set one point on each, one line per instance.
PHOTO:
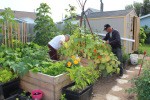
(106, 26)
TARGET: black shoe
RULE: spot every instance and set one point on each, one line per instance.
(121, 74)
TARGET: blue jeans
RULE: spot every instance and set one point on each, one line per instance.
(118, 53)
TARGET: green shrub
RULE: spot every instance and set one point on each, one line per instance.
(6, 75)
(147, 31)
(142, 84)
(142, 36)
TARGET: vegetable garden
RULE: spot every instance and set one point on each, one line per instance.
(27, 66)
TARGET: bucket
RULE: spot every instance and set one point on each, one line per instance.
(134, 59)
(37, 94)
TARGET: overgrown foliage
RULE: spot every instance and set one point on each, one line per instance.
(45, 28)
(147, 32)
(142, 36)
(142, 84)
(23, 58)
(90, 47)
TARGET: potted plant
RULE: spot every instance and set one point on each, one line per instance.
(82, 77)
(125, 60)
(9, 83)
(21, 96)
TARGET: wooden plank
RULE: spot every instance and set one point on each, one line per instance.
(136, 33)
(39, 83)
(42, 77)
(59, 86)
(48, 95)
(47, 78)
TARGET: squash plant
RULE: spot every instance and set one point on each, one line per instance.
(91, 47)
(6, 75)
(82, 76)
(51, 68)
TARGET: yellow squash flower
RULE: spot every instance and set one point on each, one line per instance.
(69, 64)
(73, 57)
(76, 62)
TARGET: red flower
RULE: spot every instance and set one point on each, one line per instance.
(144, 52)
(95, 51)
(99, 57)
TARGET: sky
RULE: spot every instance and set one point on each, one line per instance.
(58, 6)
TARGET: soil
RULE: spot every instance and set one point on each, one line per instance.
(113, 87)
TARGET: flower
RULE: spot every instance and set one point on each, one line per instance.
(99, 57)
(69, 64)
(95, 51)
(78, 59)
(73, 57)
(76, 62)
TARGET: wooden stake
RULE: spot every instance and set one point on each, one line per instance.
(11, 37)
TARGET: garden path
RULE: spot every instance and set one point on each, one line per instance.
(113, 88)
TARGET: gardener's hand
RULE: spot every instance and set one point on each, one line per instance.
(107, 42)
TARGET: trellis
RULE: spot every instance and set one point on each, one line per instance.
(14, 32)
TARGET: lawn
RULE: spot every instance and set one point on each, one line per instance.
(146, 48)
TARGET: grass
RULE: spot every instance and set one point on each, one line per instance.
(145, 47)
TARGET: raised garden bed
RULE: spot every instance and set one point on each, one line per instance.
(18, 97)
(9, 88)
(82, 95)
(50, 85)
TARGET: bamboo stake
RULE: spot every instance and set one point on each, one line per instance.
(22, 33)
(11, 37)
(8, 34)
(18, 32)
(5, 35)
(3, 32)
(26, 32)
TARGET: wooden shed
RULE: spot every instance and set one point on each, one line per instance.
(125, 21)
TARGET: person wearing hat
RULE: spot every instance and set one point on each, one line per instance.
(56, 44)
(113, 38)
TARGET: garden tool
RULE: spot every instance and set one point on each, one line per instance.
(142, 63)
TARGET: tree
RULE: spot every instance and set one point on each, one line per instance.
(128, 7)
(146, 7)
(140, 8)
(137, 6)
(45, 28)
(69, 18)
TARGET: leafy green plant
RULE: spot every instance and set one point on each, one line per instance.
(142, 36)
(90, 47)
(142, 84)
(52, 69)
(82, 76)
(63, 97)
(6, 75)
(45, 28)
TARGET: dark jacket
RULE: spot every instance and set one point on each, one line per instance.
(115, 40)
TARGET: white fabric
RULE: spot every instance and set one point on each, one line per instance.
(56, 41)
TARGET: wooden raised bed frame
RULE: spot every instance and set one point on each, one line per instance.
(50, 85)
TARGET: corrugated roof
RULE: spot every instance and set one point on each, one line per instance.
(109, 13)
(23, 14)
